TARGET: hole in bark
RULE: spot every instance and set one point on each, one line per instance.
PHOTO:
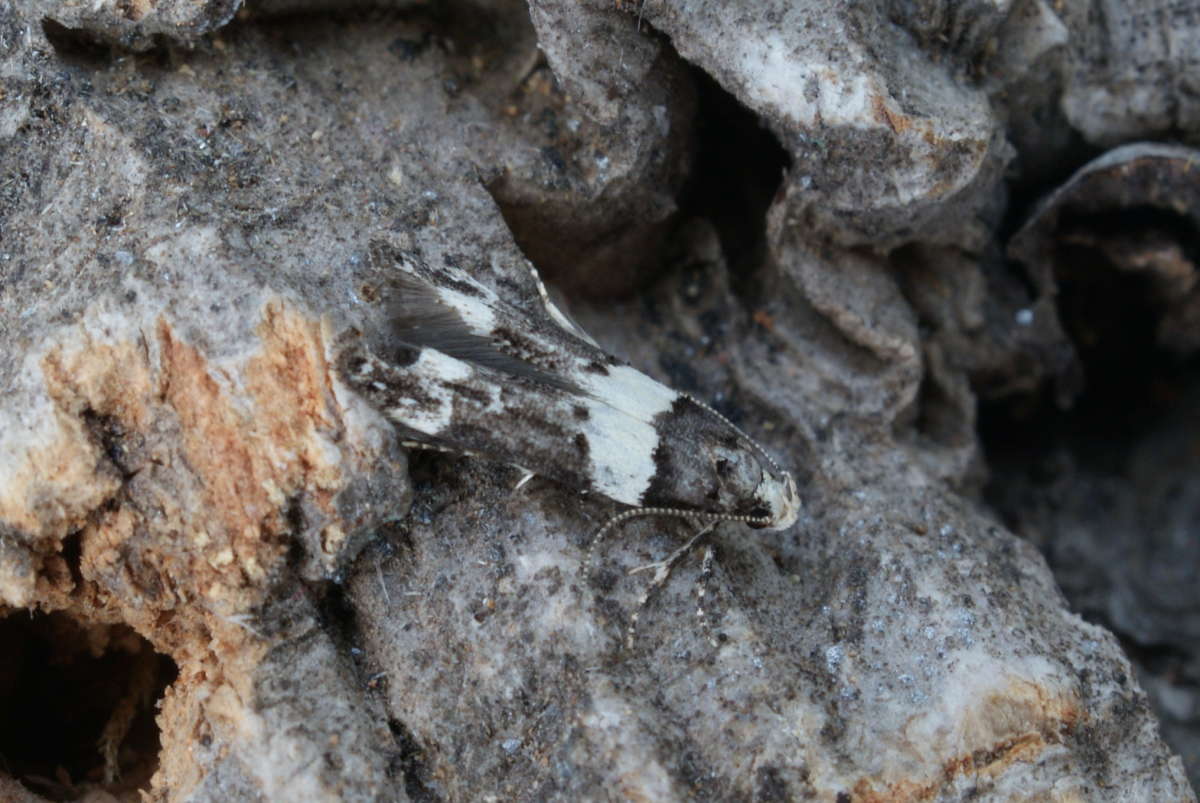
(1108, 489)
(1111, 315)
(72, 554)
(77, 706)
(75, 46)
(739, 168)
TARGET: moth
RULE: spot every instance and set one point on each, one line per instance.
(461, 369)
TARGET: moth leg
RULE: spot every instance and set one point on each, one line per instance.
(434, 447)
(526, 476)
(637, 512)
(662, 572)
(706, 573)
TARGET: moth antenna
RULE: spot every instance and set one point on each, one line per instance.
(706, 570)
(662, 572)
(770, 460)
(669, 512)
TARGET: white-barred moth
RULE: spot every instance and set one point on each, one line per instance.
(465, 371)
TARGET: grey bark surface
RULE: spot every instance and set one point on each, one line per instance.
(795, 211)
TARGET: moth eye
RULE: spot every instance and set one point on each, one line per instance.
(761, 511)
(723, 467)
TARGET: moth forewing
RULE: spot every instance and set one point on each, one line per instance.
(469, 372)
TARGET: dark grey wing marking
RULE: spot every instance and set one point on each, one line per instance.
(533, 299)
(419, 317)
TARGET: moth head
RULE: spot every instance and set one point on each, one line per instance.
(706, 463)
(777, 494)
